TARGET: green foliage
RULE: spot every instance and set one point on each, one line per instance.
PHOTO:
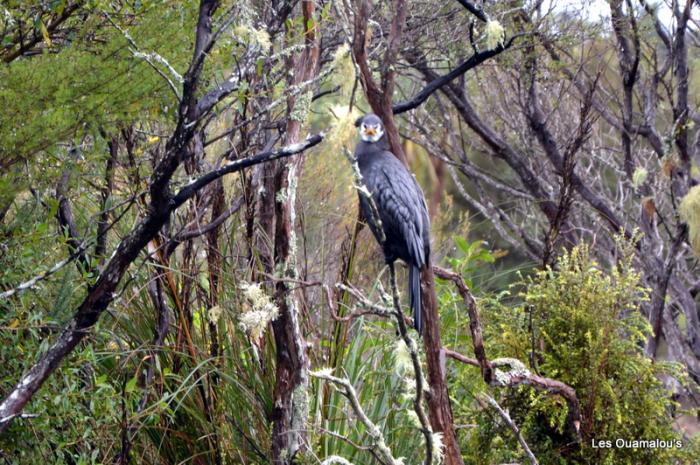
(74, 413)
(579, 324)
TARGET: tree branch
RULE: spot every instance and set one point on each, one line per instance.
(348, 391)
(68, 11)
(189, 190)
(511, 424)
(474, 9)
(434, 85)
(474, 322)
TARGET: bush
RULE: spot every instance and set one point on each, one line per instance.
(582, 325)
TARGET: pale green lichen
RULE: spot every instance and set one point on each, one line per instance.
(402, 357)
(279, 270)
(409, 386)
(515, 364)
(413, 416)
(689, 211)
(343, 70)
(281, 195)
(322, 372)
(292, 181)
(259, 310)
(252, 35)
(288, 51)
(301, 107)
(438, 449)
(494, 34)
(335, 459)
(517, 370)
(300, 414)
(639, 176)
(214, 313)
(342, 131)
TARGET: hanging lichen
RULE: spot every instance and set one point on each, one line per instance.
(494, 34)
(259, 311)
(690, 213)
(343, 70)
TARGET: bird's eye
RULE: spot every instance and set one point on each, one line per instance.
(363, 127)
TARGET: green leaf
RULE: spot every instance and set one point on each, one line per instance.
(130, 385)
(101, 380)
(462, 244)
(45, 33)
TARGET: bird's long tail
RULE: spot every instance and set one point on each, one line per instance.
(414, 296)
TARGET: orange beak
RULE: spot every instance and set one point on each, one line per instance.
(370, 131)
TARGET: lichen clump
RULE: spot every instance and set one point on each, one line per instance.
(438, 449)
(259, 311)
(639, 176)
(494, 34)
(255, 36)
(689, 211)
(402, 357)
(301, 107)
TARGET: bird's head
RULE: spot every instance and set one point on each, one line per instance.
(371, 128)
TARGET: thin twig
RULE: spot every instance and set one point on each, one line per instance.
(509, 421)
(41, 276)
(150, 58)
(417, 370)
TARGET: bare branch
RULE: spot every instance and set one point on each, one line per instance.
(151, 58)
(267, 156)
(474, 322)
(511, 424)
(434, 85)
(41, 276)
(348, 391)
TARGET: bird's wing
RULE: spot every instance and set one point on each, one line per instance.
(426, 219)
(401, 207)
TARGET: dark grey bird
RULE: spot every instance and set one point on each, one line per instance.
(400, 206)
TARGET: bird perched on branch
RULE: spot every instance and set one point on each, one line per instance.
(400, 207)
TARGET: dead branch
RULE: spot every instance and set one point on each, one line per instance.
(474, 321)
(348, 391)
(379, 95)
(511, 424)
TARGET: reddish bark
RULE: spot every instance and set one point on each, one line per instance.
(380, 96)
(291, 383)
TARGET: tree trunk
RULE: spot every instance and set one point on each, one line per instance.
(292, 369)
(439, 408)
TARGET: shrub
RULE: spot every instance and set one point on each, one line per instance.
(580, 324)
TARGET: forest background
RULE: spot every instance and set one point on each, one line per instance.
(185, 278)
